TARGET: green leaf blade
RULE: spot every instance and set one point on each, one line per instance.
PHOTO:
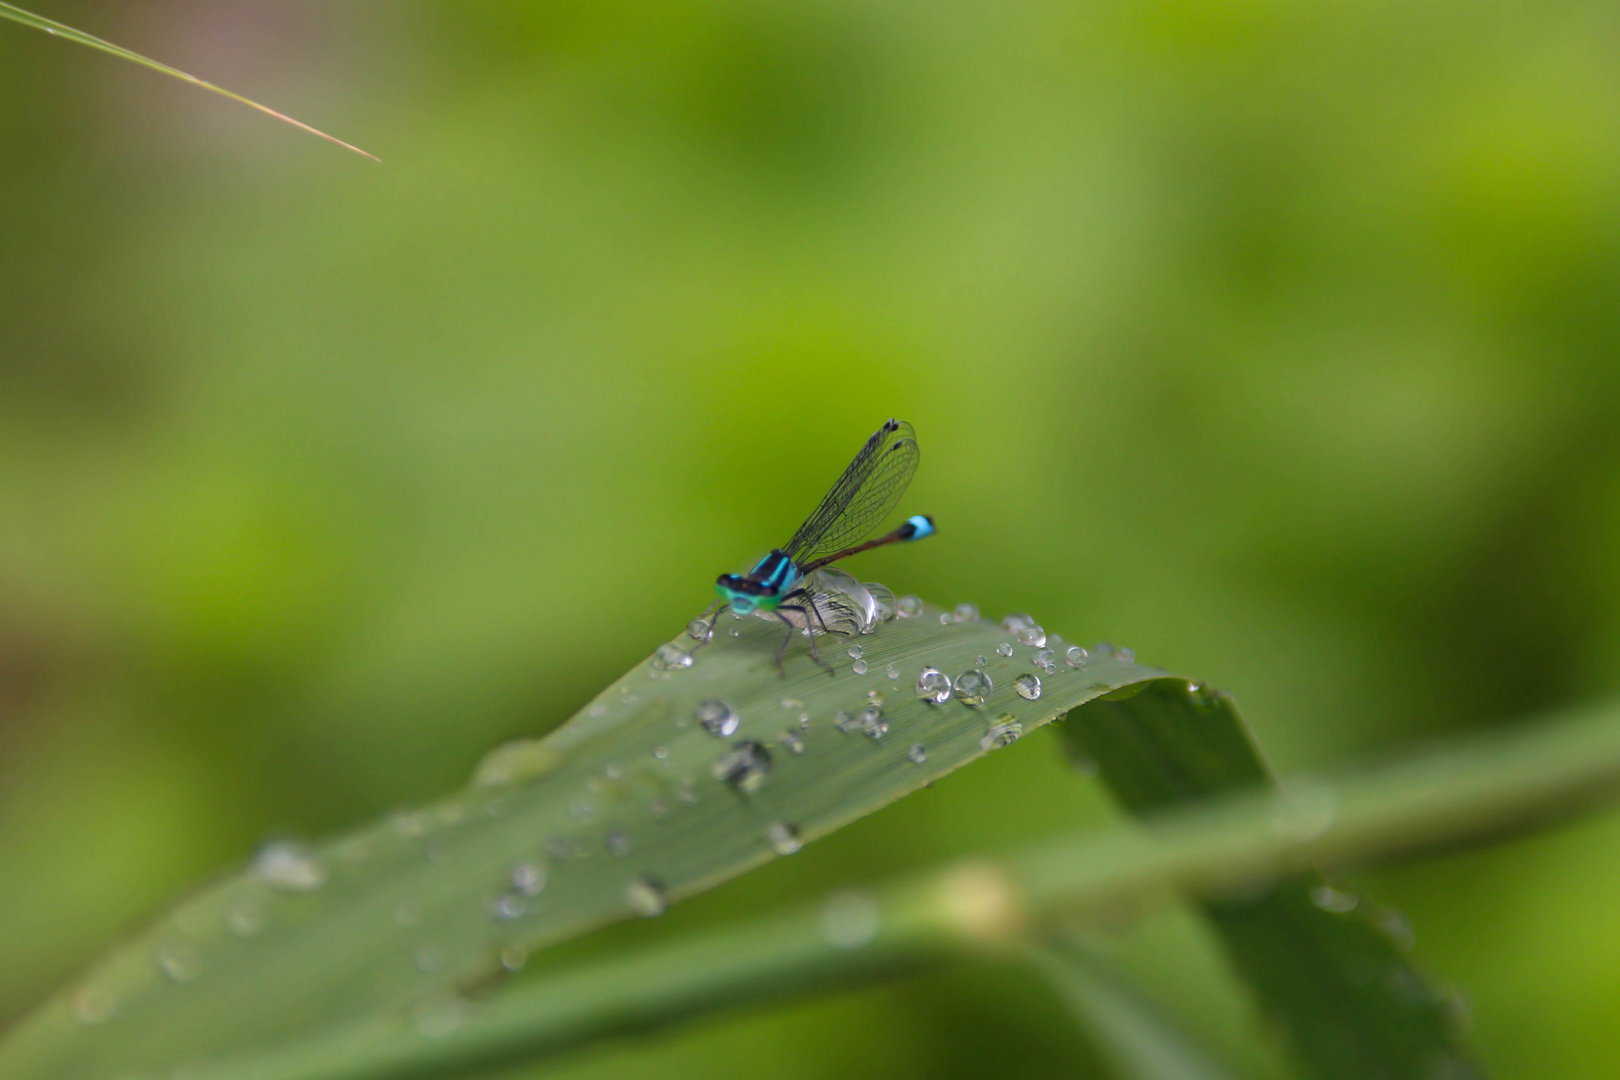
(619, 811)
(1322, 962)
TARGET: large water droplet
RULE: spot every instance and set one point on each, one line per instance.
(882, 599)
(288, 866)
(1076, 656)
(717, 718)
(850, 920)
(646, 897)
(744, 766)
(700, 630)
(671, 657)
(918, 754)
(908, 607)
(1004, 732)
(972, 687)
(1045, 658)
(858, 667)
(1004, 649)
(1028, 686)
(783, 838)
(1031, 635)
(934, 686)
(966, 613)
(179, 961)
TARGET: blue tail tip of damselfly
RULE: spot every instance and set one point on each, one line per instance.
(916, 527)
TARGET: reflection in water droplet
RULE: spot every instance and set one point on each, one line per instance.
(972, 687)
(791, 742)
(892, 672)
(1004, 649)
(1028, 686)
(1016, 622)
(1004, 732)
(966, 613)
(1338, 901)
(245, 917)
(783, 838)
(646, 897)
(908, 607)
(1045, 658)
(699, 629)
(513, 957)
(855, 652)
(982, 660)
(871, 722)
(618, 842)
(671, 657)
(1076, 656)
(1031, 635)
(744, 766)
(1127, 655)
(934, 686)
(918, 753)
(850, 920)
(883, 601)
(179, 961)
(93, 1006)
(288, 866)
(717, 718)
(858, 667)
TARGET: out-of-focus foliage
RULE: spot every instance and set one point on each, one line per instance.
(1274, 340)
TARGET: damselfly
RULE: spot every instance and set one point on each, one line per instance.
(857, 503)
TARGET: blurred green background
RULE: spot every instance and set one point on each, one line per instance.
(1276, 340)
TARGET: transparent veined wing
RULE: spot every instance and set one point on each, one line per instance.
(860, 500)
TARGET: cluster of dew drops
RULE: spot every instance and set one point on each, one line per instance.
(289, 867)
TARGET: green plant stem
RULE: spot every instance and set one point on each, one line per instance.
(1469, 790)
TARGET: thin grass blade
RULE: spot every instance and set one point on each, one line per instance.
(68, 33)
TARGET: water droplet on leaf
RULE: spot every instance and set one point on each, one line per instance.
(744, 766)
(783, 838)
(717, 718)
(646, 897)
(934, 686)
(1028, 686)
(972, 687)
